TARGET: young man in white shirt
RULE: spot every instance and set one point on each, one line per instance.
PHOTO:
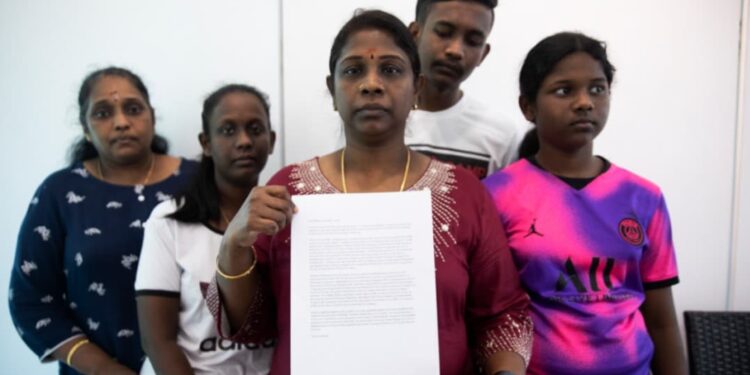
(452, 39)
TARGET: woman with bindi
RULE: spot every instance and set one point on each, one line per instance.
(79, 244)
(374, 79)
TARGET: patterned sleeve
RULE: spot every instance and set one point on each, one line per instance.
(659, 263)
(158, 272)
(260, 322)
(497, 311)
(37, 285)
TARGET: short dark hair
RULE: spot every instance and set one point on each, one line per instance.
(376, 20)
(545, 55)
(83, 149)
(423, 7)
(200, 200)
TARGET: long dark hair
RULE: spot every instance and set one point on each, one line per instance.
(529, 144)
(82, 149)
(542, 59)
(199, 203)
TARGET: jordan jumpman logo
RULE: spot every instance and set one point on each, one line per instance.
(532, 230)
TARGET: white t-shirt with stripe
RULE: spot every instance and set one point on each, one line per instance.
(176, 259)
(468, 134)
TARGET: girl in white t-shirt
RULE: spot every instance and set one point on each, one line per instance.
(182, 239)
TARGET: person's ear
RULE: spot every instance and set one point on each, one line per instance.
(418, 87)
(332, 91)
(272, 141)
(415, 30)
(527, 108)
(485, 52)
(205, 144)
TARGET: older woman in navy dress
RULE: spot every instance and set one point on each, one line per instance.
(71, 289)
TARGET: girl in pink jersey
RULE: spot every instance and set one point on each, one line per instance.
(592, 241)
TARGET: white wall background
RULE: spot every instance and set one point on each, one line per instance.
(673, 117)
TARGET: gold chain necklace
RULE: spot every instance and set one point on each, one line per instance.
(403, 180)
(138, 187)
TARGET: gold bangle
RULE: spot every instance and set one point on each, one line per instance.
(73, 350)
(235, 277)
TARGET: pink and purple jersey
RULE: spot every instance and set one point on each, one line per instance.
(586, 257)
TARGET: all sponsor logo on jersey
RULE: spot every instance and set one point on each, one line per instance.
(589, 289)
(595, 273)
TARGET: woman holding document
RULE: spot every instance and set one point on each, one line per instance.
(374, 79)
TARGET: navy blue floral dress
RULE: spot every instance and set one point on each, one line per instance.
(76, 260)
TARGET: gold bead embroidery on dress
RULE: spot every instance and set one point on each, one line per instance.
(513, 334)
(440, 180)
(306, 178)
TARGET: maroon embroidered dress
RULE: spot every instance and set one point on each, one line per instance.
(482, 308)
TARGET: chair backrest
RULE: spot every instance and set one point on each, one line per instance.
(718, 342)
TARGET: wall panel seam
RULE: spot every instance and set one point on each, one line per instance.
(738, 158)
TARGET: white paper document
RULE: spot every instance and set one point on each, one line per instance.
(363, 285)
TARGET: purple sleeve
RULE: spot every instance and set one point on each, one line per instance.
(659, 263)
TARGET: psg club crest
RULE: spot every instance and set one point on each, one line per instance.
(631, 231)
